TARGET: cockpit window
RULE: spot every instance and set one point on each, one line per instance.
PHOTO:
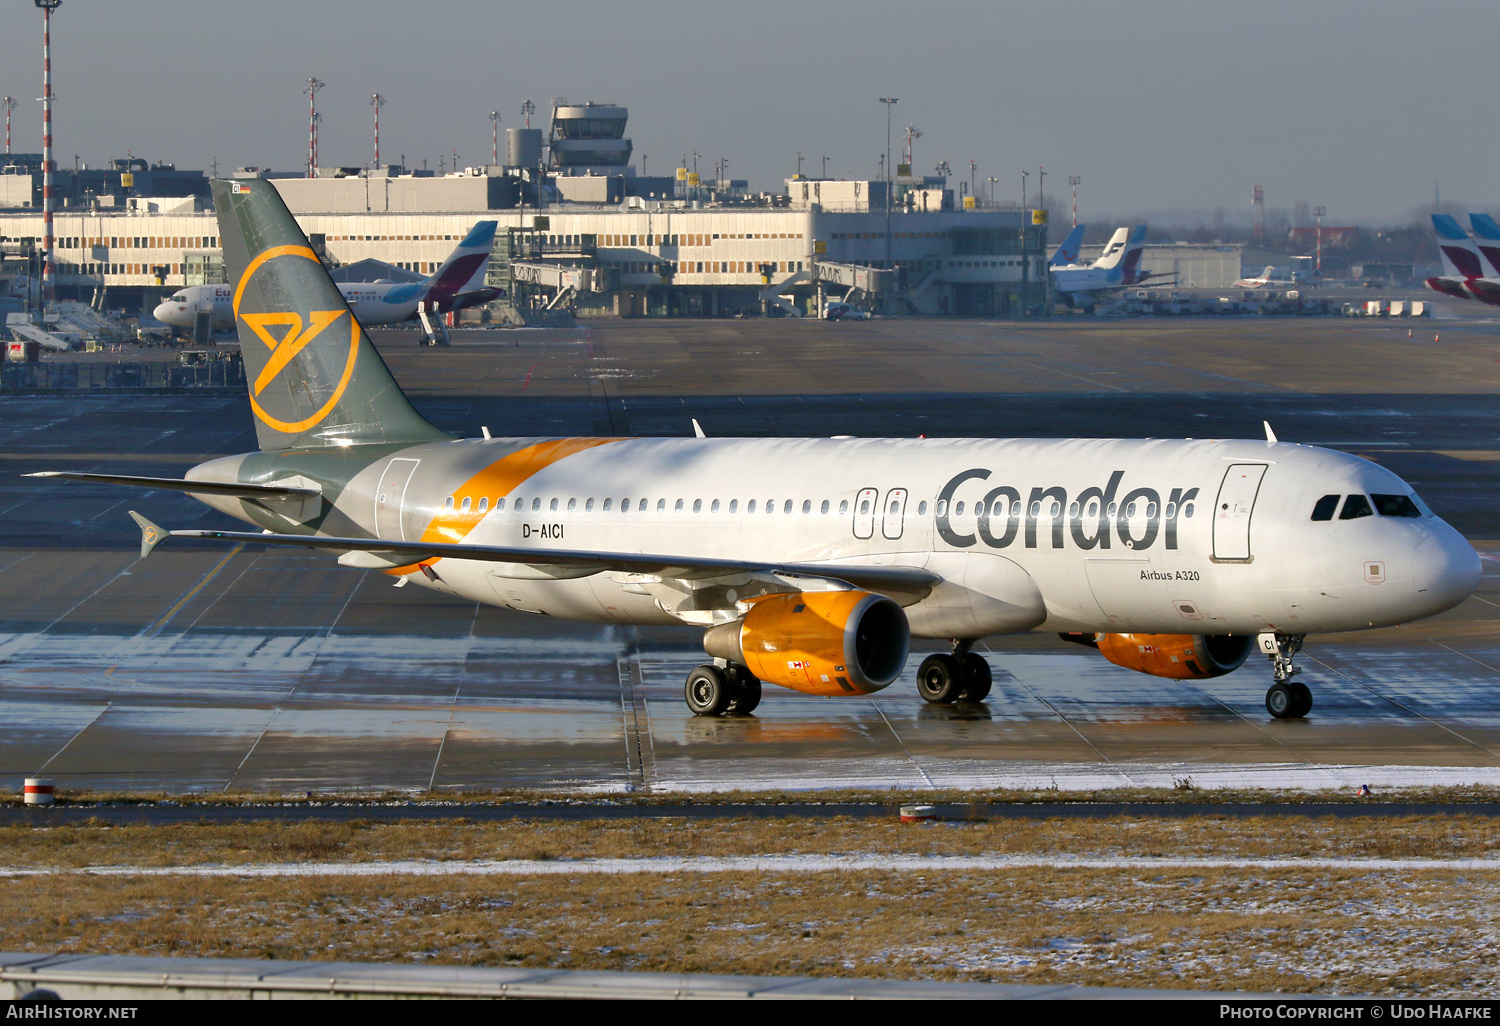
(1395, 506)
(1325, 507)
(1356, 506)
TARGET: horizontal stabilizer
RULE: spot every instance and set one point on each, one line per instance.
(175, 484)
(151, 535)
(904, 578)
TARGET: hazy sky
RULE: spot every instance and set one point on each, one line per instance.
(1158, 105)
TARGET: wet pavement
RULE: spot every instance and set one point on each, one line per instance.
(207, 669)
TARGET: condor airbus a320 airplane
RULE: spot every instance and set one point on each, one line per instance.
(809, 562)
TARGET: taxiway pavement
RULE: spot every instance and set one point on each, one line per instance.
(208, 669)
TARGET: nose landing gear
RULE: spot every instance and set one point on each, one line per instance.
(963, 676)
(1286, 699)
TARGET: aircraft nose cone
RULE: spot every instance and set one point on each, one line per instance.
(1445, 569)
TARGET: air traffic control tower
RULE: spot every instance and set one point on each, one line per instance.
(589, 138)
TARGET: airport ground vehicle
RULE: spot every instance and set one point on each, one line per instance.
(809, 562)
(837, 311)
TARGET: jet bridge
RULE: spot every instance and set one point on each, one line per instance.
(855, 276)
(559, 277)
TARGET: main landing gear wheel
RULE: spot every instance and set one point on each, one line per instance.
(940, 679)
(707, 691)
(963, 676)
(746, 693)
(977, 679)
(715, 691)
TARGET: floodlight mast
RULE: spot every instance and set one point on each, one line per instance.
(49, 283)
(890, 102)
(377, 101)
(313, 85)
(1319, 212)
(495, 137)
(8, 104)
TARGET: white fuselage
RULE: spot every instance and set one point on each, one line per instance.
(1105, 535)
(1086, 279)
(371, 302)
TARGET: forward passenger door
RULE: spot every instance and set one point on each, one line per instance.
(864, 512)
(1233, 509)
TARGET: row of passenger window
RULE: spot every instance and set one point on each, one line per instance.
(998, 508)
(518, 505)
(1357, 506)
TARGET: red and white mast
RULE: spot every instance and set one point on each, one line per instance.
(49, 283)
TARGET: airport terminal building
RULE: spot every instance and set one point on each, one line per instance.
(719, 255)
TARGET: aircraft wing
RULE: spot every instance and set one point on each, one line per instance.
(567, 562)
(176, 484)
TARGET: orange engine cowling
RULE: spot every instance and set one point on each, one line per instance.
(1180, 656)
(818, 642)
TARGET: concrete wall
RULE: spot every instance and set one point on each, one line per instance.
(361, 195)
(15, 190)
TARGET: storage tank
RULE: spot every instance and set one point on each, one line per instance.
(523, 147)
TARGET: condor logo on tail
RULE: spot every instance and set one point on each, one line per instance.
(300, 331)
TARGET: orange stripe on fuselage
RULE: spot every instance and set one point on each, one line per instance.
(496, 481)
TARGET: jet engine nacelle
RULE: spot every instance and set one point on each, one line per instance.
(818, 642)
(1179, 656)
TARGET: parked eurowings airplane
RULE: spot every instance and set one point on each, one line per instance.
(1486, 288)
(372, 302)
(808, 563)
(1463, 264)
(1118, 267)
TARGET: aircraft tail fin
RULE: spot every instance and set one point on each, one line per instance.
(1487, 241)
(467, 261)
(1460, 256)
(1130, 259)
(1114, 250)
(1067, 253)
(1485, 227)
(315, 379)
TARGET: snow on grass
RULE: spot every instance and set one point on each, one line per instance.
(759, 863)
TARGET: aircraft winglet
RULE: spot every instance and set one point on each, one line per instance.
(698, 429)
(1270, 435)
(151, 534)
